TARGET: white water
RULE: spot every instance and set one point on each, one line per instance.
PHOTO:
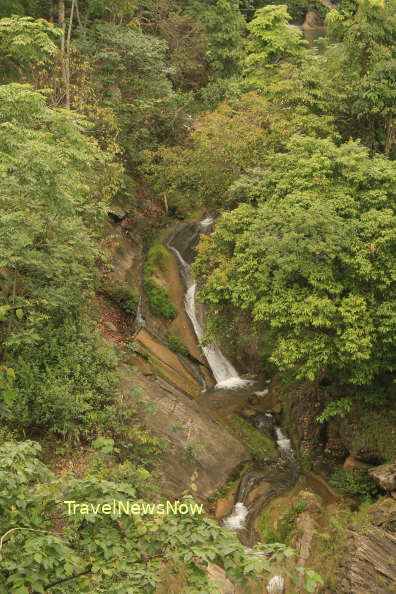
(237, 519)
(283, 443)
(223, 371)
(276, 585)
(262, 393)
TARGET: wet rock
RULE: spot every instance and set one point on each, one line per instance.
(223, 507)
(385, 476)
(351, 464)
(277, 408)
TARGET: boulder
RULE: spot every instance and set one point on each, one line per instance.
(351, 464)
(385, 476)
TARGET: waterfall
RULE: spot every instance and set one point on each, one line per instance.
(224, 372)
(236, 520)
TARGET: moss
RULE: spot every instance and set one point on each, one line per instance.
(260, 445)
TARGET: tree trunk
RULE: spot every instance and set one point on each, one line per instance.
(65, 46)
(62, 25)
(67, 60)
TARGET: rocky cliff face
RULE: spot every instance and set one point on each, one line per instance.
(369, 566)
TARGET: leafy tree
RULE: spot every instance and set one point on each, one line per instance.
(312, 258)
(224, 24)
(272, 39)
(50, 179)
(235, 137)
(186, 38)
(363, 64)
(25, 41)
(104, 552)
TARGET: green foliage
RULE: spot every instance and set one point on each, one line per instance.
(191, 451)
(272, 39)
(7, 391)
(121, 423)
(129, 71)
(25, 41)
(113, 553)
(224, 24)
(177, 346)
(158, 299)
(286, 524)
(363, 65)
(356, 481)
(124, 298)
(311, 260)
(64, 381)
(49, 174)
(157, 257)
(104, 444)
(337, 408)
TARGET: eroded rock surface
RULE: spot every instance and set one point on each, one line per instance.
(370, 567)
(200, 453)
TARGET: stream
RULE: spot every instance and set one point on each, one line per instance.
(269, 477)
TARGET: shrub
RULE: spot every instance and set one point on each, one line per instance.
(177, 346)
(124, 298)
(62, 382)
(356, 481)
(157, 257)
(158, 300)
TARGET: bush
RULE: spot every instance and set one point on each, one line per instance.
(356, 481)
(158, 300)
(157, 257)
(177, 346)
(124, 298)
(62, 383)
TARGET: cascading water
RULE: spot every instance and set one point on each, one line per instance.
(237, 520)
(227, 378)
(224, 372)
